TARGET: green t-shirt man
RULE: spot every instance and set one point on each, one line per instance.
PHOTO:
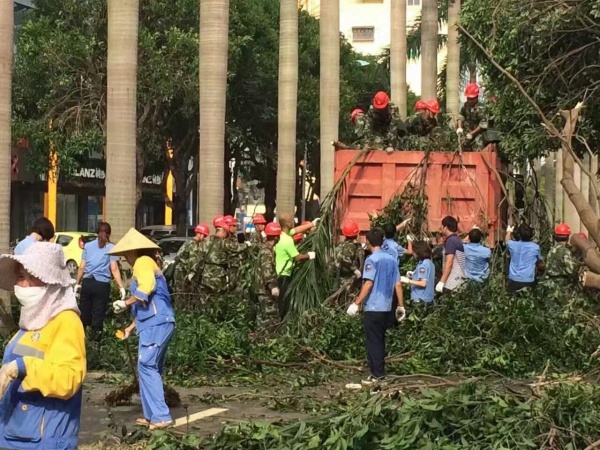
(285, 252)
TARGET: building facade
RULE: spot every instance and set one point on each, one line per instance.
(366, 25)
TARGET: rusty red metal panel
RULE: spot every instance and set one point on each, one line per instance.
(465, 186)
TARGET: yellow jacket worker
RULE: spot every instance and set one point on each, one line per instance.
(44, 364)
(154, 320)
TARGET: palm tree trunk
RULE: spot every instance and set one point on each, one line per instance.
(453, 63)
(213, 53)
(287, 103)
(398, 55)
(6, 62)
(429, 47)
(121, 123)
(329, 89)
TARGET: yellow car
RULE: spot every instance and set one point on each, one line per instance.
(72, 243)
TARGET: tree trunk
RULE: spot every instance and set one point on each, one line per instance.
(329, 88)
(453, 61)
(121, 123)
(6, 61)
(213, 51)
(429, 47)
(287, 103)
(398, 56)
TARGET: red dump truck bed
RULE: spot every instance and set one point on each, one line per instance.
(467, 187)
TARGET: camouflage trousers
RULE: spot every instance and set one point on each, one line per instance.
(268, 313)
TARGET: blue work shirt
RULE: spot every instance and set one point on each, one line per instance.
(523, 259)
(24, 245)
(391, 247)
(425, 270)
(382, 269)
(477, 261)
(97, 261)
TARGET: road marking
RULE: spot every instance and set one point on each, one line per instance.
(199, 415)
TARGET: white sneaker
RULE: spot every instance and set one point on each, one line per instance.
(371, 380)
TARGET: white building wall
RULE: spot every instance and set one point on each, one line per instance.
(376, 14)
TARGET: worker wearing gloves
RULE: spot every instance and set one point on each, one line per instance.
(381, 278)
(525, 258)
(259, 221)
(349, 254)
(454, 257)
(93, 280)
(266, 287)
(286, 255)
(473, 117)
(422, 279)
(390, 246)
(154, 320)
(477, 257)
(187, 257)
(45, 363)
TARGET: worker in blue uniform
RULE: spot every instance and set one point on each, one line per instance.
(525, 258)
(422, 279)
(154, 320)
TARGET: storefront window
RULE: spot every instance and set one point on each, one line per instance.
(67, 212)
(94, 213)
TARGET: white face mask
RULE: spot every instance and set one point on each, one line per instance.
(30, 296)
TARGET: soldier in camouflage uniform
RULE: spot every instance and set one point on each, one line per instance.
(186, 259)
(474, 119)
(259, 229)
(235, 251)
(561, 266)
(424, 121)
(381, 127)
(211, 271)
(266, 279)
(348, 260)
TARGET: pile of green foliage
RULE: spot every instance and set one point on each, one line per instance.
(565, 416)
(480, 330)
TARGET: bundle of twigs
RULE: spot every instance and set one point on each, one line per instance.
(310, 284)
(123, 394)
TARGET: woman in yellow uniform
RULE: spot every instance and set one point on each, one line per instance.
(154, 320)
(44, 363)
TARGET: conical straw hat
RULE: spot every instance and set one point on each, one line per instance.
(133, 240)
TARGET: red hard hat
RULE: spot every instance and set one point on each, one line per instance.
(472, 90)
(273, 229)
(259, 219)
(221, 222)
(297, 237)
(562, 229)
(355, 113)
(582, 235)
(202, 228)
(350, 229)
(217, 218)
(433, 106)
(420, 105)
(230, 220)
(381, 100)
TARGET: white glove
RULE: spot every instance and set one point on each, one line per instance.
(404, 280)
(409, 238)
(248, 243)
(119, 306)
(77, 289)
(400, 313)
(275, 292)
(311, 255)
(358, 273)
(263, 234)
(8, 373)
(316, 221)
(510, 229)
(123, 293)
(410, 274)
(459, 131)
(190, 277)
(352, 309)
(439, 287)
(404, 222)
(469, 136)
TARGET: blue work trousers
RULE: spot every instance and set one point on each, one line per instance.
(152, 351)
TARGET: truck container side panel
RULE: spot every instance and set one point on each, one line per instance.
(469, 190)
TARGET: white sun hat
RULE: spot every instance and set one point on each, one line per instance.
(43, 260)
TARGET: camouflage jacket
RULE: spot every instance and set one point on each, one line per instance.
(379, 131)
(266, 277)
(187, 256)
(419, 125)
(349, 256)
(212, 266)
(560, 263)
(256, 238)
(475, 116)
